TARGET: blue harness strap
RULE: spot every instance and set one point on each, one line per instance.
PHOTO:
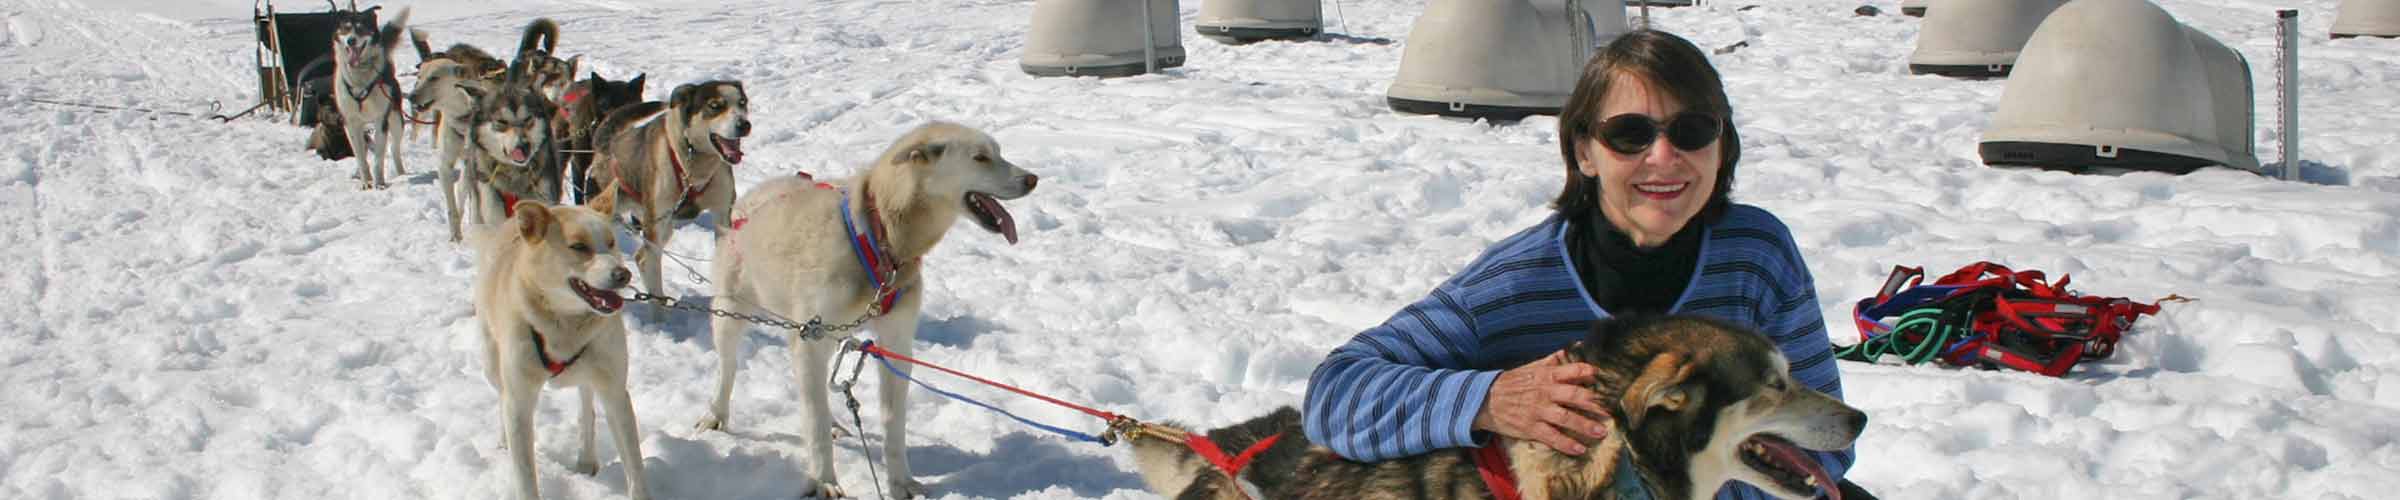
(866, 245)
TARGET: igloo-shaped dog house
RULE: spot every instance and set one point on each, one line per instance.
(2120, 85)
(1099, 38)
(2367, 18)
(1913, 7)
(1500, 59)
(1976, 38)
(1245, 21)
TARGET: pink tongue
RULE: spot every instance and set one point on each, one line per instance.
(732, 149)
(1008, 225)
(611, 301)
(518, 155)
(1790, 456)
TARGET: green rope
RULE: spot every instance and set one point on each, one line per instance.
(1924, 322)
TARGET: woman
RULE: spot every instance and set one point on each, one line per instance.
(1642, 226)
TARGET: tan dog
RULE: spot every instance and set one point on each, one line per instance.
(1695, 402)
(791, 256)
(546, 298)
(674, 166)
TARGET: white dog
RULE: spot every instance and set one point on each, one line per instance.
(788, 253)
(546, 294)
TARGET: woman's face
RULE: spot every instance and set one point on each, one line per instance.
(1652, 194)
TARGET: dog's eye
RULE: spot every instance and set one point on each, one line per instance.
(1775, 383)
(716, 105)
(983, 158)
(580, 248)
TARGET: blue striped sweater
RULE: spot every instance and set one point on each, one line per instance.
(1415, 383)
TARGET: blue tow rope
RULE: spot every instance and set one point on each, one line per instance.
(887, 365)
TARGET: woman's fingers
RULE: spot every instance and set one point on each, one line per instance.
(1575, 420)
(1545, 434)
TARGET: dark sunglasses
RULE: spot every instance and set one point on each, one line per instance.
(1632, 133)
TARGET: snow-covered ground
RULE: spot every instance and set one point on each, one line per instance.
(205, 311)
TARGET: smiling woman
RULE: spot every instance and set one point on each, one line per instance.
(1643, 225)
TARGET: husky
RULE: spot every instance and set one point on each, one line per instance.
(675, 165)
(367, 93)
(789, 255)
(546, 299)
(579, 113)
(540, 64)
(499, 128)
(1694, 402)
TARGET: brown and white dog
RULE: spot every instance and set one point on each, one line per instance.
(500, 127)
(676, 165)
(1694, 402)
(790, 256)
(546, 299)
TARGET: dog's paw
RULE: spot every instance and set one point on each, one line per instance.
(710, 423)
(586, 467)
(909, 488)
(825, 490)
(841, 432)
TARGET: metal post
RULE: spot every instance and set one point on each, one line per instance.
(1149, 39)
(2287, 25)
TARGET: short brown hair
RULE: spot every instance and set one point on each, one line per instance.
(1675, 67)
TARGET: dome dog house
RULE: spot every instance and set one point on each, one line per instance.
(1245, 21)
(1100, 38)
(1499, 59)
(1914, 7)
(2367, 18)
(2119, 84)
(1976, 38)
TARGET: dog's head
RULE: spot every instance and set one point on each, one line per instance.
(1703, 402)
(570, 255)
(713, 116)
(605, 95)
(549, 73)
(359, 45)
(948, 161)
(511, 125)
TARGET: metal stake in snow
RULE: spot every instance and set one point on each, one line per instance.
(2287, 81)
(1149, 40)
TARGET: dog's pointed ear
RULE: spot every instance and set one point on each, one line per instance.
(606, 203)
(534, 220)
(927, 152)
(682, 96)
(636, 82)
(575, 63)
(1659, 386)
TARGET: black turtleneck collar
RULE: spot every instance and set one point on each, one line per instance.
(1624, 279)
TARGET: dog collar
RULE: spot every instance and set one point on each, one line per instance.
(873, 254)
(542, 353)
(1491, 462)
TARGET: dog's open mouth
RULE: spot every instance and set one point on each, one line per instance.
(991, 216)
(520, 154)
(731, 149)
(605, 301)
(1787, 465)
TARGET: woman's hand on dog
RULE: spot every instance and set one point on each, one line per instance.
(1546, 401)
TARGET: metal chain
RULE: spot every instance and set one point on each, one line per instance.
(813, 329)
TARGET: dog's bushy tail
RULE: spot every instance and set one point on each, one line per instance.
(543, 33)
(389, 37)
(424, 50)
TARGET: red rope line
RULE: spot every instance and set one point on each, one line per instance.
(879, 351)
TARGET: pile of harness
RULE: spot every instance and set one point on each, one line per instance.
(1986, 315)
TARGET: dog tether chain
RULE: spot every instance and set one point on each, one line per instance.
(814, 328)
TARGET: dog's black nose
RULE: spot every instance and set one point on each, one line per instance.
(1857, 422)
(742, 129)
(1030, 180)
(620, 276)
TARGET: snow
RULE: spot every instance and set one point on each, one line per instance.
(204, 311)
